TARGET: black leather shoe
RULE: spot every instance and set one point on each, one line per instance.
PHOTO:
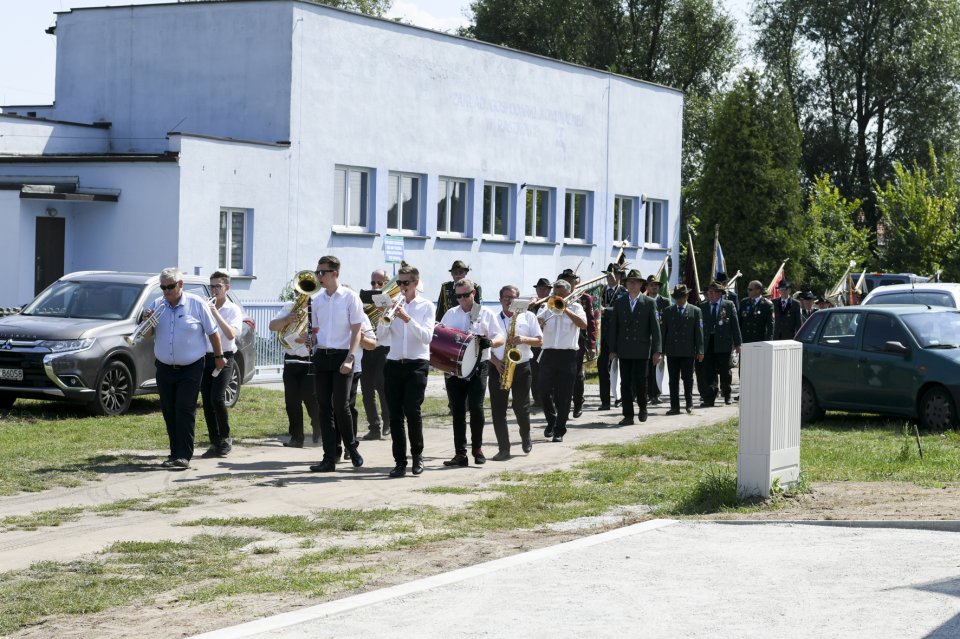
(326, 466)
(527, 446)
(557, 438)
(643, 415)
(372, 436)
(689, 408)
(386, 433)
(458, 460)
(398, 471)
(293, 443)
(673, 411)
(316, 438)
(548, 432)
(727, 401)
(502, 455)
(617, 403)
(654, 400)
(706, 405)
(626, 421)
(417, 465)
(604, 407)
(577, 412)
(213, 451)
(478, 457)
(355, 457)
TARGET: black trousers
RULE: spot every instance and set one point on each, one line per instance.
(680, 368)
(333, 401)
(715, 365)
(467, 395)
(299, 392)
(653, 389)
(522, 378)
(535, 376)
(633, 385)
(406, 383)
(372, 387)
(578, 381)
(603, 370)
(213, 390)
(179, 388)
(352, 401)
(558, 368)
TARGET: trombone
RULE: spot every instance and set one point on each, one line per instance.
(557, 305)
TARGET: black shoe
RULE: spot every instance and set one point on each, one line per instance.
(398, 471)
(706, 405)
(502, 455)
(355, 457)
(527, 446)
(727, 401)
(673, 411)
(604, 407)
(654, 400)
(626, 421)
(557, 438)
(458, 460)
(689, 408)
(548, 432)
(326, 466)
(577, 412)
(180, 464)
(293, 443)
(386, 433)
(372, 436)
(478, 457)
(643, 415)
(316, 438)
(417, 465)
(617, 403)
(213, 451)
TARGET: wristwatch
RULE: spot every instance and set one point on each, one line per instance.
(218, 356)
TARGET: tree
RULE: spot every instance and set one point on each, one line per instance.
(832, 239)
(921, 218)
(750, 185)
(870, 82)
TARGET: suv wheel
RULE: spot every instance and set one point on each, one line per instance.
(232, 392)
(114, 390)
(7, 400)
(937, 411)
(810, 410)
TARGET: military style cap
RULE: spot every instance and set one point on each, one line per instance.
(680, 290)
(634, 274)
(652, 279)
(459, 264)
(568, 274)
(784, 284)
(716, 286)
(613, 268)
(721, 277)
(807, 295)
(542, 282)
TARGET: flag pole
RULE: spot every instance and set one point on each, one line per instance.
(716, 242)
(696, 275)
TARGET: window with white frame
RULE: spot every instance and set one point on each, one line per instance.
(577, 215)
(352, 197)
(538, 213)
(234, 230)
(654, 223)
(623, 219)
(452, 207)
(496, 210)
(403, 203)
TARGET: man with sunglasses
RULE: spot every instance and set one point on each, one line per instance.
(180, 345)
(408, 339)
(213, 386)
(371, 377)
(756, 315)
(467, 394)
(337, 317)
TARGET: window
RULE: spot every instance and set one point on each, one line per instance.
(809, 329)
(623, 219)
(452, 207)
(403, 200)
(496, 210)
(234, 231)
(840, 330)
(880, 329)
(653, 229)
(352, 197)
(538, 213)
(576, 215)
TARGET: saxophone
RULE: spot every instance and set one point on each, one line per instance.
(511, 357)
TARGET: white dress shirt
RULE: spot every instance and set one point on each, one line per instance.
(365, 328)
(231, 314)
(527, 326)
(559, 331)
(181, 334)
(409, 340)
(334, 315)
(486, 325)
(299, 350)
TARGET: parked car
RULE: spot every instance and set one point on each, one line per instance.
(69, 342)
(877, 280)
(942, 294)
(893, 360)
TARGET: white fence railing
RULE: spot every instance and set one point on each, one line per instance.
(269, 351)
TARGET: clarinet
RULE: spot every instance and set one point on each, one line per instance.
(310, 368)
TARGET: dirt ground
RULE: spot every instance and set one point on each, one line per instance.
(263, 478)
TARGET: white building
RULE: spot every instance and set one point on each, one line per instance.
(259, 135)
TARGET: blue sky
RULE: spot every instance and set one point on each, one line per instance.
(27, 74)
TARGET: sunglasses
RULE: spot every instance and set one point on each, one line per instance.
(216, 286)
(321, 272)
(376, 283)
(461, 296)
(404, 282)
(168, 287)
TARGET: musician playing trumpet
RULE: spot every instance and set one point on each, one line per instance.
(408, 337)
(558, 359)
(522, 334)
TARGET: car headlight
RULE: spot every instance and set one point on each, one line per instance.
(67, 345)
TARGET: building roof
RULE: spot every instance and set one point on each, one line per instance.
(167, 156)
(31, 118)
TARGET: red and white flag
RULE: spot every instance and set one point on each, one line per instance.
(779, 277)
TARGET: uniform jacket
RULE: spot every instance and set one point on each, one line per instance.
(448, 298)
(730, 295)
(607, 298)
(634, 334)
(756, 320)
(682, 332)
(725, 329)
(805, 314)
(786, 321)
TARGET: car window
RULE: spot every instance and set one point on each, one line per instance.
(809, 329)
(840, 330)
(196, 289)
(880, 329)
(930, 298)
(86, 300)
(935, 330)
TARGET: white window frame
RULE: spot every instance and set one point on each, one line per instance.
(618, 217)
(569, 211)
(397, 178)
(446, 200)
(654, 223)
(227, 239)
(507, 215)
(536, 194)
(342, 216)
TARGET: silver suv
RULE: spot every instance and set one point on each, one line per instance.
(931, 294)
(69, 342)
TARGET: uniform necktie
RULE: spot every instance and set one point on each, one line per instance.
(713, 310)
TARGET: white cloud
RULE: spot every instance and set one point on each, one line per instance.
(409, 11)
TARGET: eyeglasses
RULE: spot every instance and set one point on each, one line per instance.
(321, 272)
(376, 282)
(168, 287)
(461, 296)
(216, 286)
(404, 282)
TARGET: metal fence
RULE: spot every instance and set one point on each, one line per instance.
(269, 351)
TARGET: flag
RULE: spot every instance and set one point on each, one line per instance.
(690, 277)
(664, 277)
(779, 277)
(836, 294)
(861, 286)
(719, 264)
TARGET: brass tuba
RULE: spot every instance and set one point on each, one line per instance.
(305, 284)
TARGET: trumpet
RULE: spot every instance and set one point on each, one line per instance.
(305, 284)
(145, 326)
(387, 316)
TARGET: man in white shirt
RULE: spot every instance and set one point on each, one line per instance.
(299, 390)
(180, 345)
(558, 360)
(527, 334)
(371, 380)
(408, 337)
(467, 394)
(337, 317)
(213, 386)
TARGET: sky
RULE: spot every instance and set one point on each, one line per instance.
(28, 54)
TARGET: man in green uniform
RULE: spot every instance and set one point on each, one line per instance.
(682, 326)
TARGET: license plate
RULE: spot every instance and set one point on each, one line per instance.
(15, 374)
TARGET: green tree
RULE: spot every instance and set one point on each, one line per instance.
(870, 82)
(750, 185)
(832, 239)
(921, 219)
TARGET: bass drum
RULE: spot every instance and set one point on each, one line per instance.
(453, 351)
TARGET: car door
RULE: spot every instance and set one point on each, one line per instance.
(832, 364)
(887, 380)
